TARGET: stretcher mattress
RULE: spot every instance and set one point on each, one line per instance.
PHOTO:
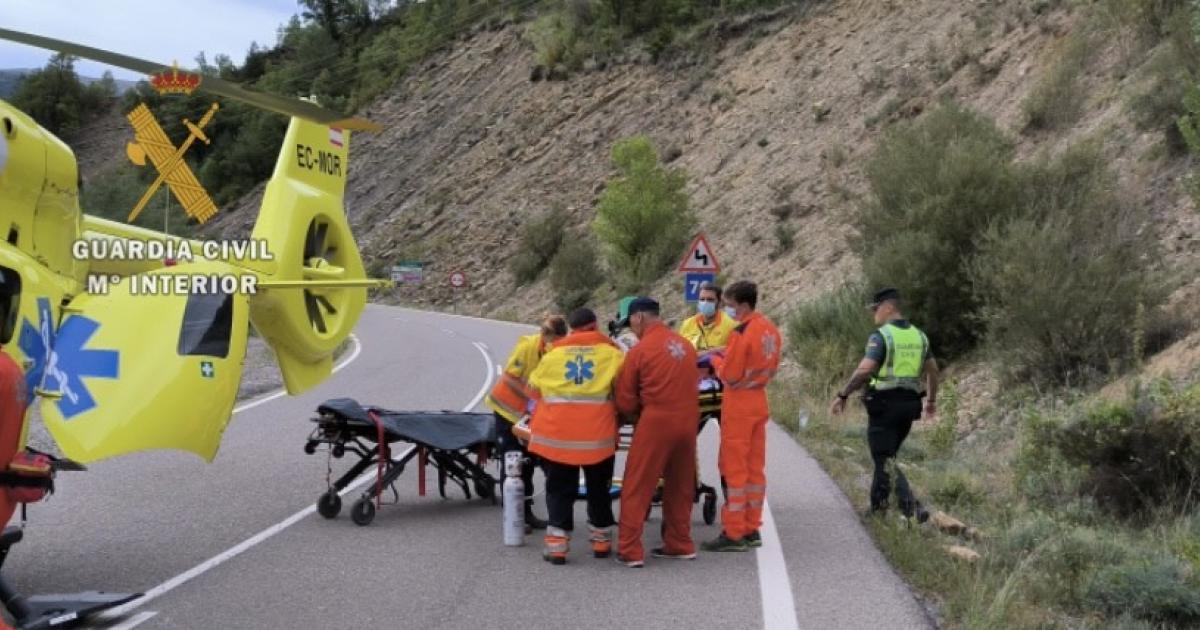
(440, 429)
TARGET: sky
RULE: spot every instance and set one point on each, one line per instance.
(155, 30)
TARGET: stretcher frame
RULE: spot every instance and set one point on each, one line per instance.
(372, 443)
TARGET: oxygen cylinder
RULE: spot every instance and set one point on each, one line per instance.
(514, 500)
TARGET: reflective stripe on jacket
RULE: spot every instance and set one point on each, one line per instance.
(576, 420)
(511, 392)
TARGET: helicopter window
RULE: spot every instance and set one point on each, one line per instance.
(207, 325)
(10, 301)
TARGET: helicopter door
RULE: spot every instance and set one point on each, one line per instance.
(135, 371)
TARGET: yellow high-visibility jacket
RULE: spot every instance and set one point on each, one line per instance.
(710, 336)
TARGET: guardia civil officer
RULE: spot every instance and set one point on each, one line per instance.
(901, 370)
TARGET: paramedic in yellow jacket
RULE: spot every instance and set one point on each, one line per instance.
(574, 426)
(510, 396)
(709, 329)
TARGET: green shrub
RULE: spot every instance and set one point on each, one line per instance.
(1026, 534)
(1155, 589)
(941, 438)
(936, 184)
(1071, 558)
(827, 335)
(540, 241)
(575, 274)
(1062, 285)
(1139, 454)
(643, 218)
(1057, 100)
(957, 489)
(785, 240)
(1189, 127)
(1150, 20)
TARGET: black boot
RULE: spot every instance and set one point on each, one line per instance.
(532, 521)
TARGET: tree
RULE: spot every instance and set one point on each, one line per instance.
(53, 96)
(643, 217)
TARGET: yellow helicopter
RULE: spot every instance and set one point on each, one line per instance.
(131, 339)
(108, 367)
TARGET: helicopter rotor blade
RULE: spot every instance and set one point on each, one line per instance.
(210, 84)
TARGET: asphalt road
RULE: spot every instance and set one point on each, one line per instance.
(234, 544)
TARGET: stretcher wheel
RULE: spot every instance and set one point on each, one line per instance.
(329, 504)
(310, 447)
(339, 450)
(363, 512)
(709, 509)
(485, 488)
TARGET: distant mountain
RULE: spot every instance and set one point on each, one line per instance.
(10, 78)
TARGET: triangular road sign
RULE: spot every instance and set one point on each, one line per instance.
(700, 257)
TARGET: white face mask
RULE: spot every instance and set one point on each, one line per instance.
(730, 311)
(707, 309)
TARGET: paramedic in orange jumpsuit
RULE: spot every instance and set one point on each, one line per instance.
(12, 415)
(657, 384)
(751, 360)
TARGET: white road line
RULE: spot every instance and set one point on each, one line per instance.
(135, 621)
(213, 562)
(476, 319)
(487, 384)
(283, 392)
(499, 370)
(778, 607)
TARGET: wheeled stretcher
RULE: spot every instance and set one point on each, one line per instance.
(458, 445)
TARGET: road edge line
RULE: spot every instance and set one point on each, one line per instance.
(774, 583)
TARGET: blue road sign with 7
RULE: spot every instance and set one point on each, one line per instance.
(692, 283)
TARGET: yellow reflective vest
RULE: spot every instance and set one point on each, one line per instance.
(575, 421)
(510, 394)
(708, 336)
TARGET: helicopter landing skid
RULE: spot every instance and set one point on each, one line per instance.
(42, 612)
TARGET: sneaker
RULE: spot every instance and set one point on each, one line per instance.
(753, 539)
(633, 564)
(556, 545)
(601, 540)
(724, 543)
(662, 553)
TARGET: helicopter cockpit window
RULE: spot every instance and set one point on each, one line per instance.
(10, 303)
(207, 325)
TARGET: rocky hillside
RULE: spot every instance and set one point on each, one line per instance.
(772, 131)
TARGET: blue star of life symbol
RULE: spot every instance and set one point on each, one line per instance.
(60, 361)
(36, 342)
(206, 369)
(580, 370)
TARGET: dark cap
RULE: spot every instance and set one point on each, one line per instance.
(882, 296)
(582, 318)
(643, 305)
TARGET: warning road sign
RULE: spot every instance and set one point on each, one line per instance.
(700, 257)
(458, 279)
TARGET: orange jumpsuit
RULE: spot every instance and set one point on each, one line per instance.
(751, 360)
(12, 416)
(658, 381)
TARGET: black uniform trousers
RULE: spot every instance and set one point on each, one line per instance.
(562, 488)
(890, 415)
(506, 441)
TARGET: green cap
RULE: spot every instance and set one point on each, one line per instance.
(623, 310)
